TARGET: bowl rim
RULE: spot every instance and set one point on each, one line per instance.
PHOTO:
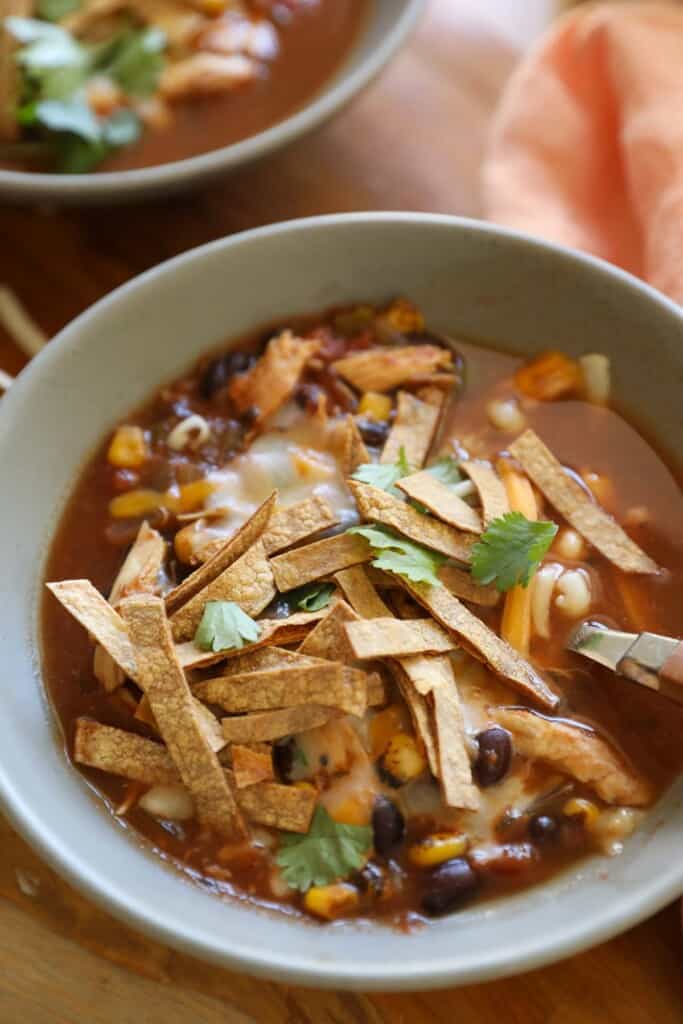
(329, 99)
(532, 951)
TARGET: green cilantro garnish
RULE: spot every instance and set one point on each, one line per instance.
(225, 626)
(384, 476)
(298, 756)
(401, 556)
(313, 596)
(511, 550)
(53, 10)
(446, 470)
(56, 70)
(327, 852)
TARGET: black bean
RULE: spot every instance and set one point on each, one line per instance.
(495, 754)
(373, 432)
(544, 829)
(283, 758)
(449, 885)
(219, 371)
(388, 825)
(307, 396)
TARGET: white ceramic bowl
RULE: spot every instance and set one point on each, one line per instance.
(467, 277)
(387, 25)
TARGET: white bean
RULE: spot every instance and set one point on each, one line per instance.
(505, 414)
(596, 377)
(172, 803)
(570, 545)
(192, 432)
(574, 598)
(541, 596)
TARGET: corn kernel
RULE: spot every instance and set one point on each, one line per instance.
(352, 811)
(375, 406)
(128, 448)
(311, 465)
(192, 496)
(382, 728)
(579, 807)
(136, 503)
(330, 901)
(213, 8)
(550, 375)
(303, 784)
(437, 848)
(403, 316)
(403, 759)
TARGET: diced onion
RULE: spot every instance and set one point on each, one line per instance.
(172, 803)
(506, 415)
(595, 370)
(191, 432)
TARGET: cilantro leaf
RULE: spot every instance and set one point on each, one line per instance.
(137, 60)
(511, 550)
(446, 470)
(53, 10)
(383, 475)
(72, 115)
(299, 757)
(327, 852)
(224, 626)
(401, 556)
(313, 596)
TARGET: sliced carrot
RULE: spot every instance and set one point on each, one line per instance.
(516, 622)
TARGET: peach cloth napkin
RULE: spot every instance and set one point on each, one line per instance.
(587, 145)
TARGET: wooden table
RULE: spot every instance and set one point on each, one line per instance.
(414, 141)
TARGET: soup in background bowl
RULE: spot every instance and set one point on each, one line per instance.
(431, 782)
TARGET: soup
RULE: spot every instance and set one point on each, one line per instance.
(120, 84)
(313, 603)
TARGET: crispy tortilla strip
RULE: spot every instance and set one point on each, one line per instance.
(273, 379)
(297, 523)
(383, 369)
(353, 453)
(455, 771)
(273, 725)
(392, 638)
(491, 490)
(484, 643)
(251, 766)
(413, 430)
(285, 807)
(142, 567)
(586, 516)
(229, 553)
(273, 631)
(248, 582)
(265, 657)
(463, 586)
(123, 753)
(377, 506)
(578, 752)
(328, 639)
(173, 707)
(87, 605)
(319, 683)
(106, 671)
(322, 558)
(207, 722)
(421, 718)
(441, 501)
(378, 691)
(360, 593)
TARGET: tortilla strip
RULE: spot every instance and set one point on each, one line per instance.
(328, 639)
(377, 506)
(463, 586)
(319, 683)
(378, 691)
(322, 558)
(353, 453)
(392, 638)
(265, 657)
(360, 593)
(123, 753)
(248, 582)
(207, 722)
(142, 566)
(251, 766)
(285, 807)
(491, 490)
(297, 523)
(383, 369)
(576, 751)
(421, 718)
(273, 725)
(413, 430)
(441, 501)
(484, 643)
(587, 517)
(87, 605)
(172, 705)
(230, 552)
(141, 760)
(273, 379)
(273, 631)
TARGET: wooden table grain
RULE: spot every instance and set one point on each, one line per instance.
(413, 141)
